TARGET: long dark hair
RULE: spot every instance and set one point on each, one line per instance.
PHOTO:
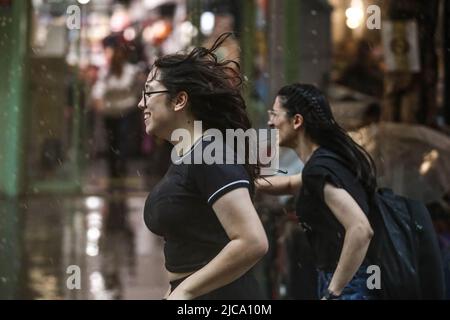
(214, 89)
(118, 61)
(321, 127)
(120, 51)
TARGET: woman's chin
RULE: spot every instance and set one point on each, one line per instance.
(149, 130)
(154, 133)
(149, 127)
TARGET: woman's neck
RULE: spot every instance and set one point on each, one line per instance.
(305, 148)
(188, 141)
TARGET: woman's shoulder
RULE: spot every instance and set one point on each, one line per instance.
(323, 159)
(323, 166)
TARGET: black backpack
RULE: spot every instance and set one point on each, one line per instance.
(404, 246)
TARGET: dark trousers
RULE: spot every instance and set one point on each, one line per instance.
(356, 289)
(120, 132)
(244, 288)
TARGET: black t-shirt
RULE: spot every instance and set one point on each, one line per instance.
(324, 231)
(180, 210)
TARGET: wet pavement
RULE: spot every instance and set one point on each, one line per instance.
(95, 245)
(44, 238)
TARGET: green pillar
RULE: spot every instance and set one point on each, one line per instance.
(11, 250)
(291, 40)
(13, 56)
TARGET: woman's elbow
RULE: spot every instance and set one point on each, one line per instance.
(259, 247)
(263, 246)
(364, 232)
(367, 233)
(371, 233)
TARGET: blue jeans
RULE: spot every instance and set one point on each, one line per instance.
(356, 289)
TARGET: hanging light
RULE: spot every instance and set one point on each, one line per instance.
(119, 20)
(207, 20)
(355, 14)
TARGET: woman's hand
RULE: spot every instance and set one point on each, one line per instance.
(179, 294)
(167, 294)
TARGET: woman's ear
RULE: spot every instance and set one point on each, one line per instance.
(297, 121)
(181, 100)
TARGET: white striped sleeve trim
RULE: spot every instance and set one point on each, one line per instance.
(226, 186)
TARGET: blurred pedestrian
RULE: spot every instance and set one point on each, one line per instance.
(115, 97)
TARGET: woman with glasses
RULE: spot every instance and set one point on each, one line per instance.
(334, 189)
(213, 235)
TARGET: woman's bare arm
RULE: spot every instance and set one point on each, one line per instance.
(280, 185)
(248, 243)
(358, 234)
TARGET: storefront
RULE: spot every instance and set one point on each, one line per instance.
(52, 132)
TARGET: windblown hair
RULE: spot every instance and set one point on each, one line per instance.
(321, 127)
(214, 89)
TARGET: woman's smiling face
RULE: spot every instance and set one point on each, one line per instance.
(156, 107)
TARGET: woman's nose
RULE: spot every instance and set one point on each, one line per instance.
(141, 104)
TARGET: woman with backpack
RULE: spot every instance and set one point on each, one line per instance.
(334, 189)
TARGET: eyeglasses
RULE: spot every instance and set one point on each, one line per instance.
(274, 114)
(146, 94)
